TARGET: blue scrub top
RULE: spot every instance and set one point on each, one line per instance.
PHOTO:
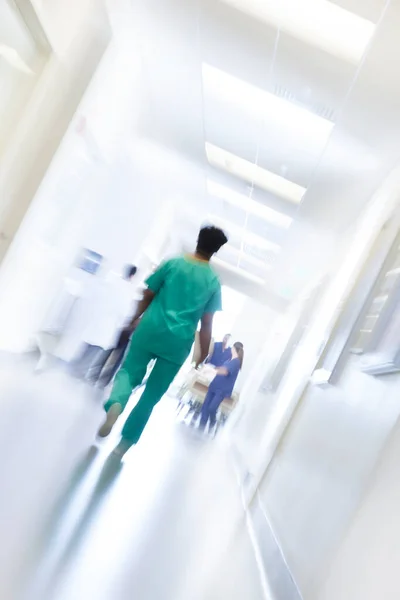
(226, 383)
(219, 356)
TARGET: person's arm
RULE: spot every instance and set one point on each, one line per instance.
(213, 305)
(205, 336)
(154, 284)
(209, 355)
(223, 371)
(228, 368)
(211, 352)
(143, 305)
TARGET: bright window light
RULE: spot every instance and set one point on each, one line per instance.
(319, 23)
(248, 204)
(252, 173)
(289, 117)
(247, 237)
(224, 320)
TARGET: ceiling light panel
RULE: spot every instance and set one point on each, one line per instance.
(248, 205)
(284, 121)
(243, 234)
(253, 174)
(319, 23)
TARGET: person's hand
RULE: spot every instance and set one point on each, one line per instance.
(125, 336)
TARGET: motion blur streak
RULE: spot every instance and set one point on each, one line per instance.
(77, 523)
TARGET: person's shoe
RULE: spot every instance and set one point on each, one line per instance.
(111, 419)
(122, 448)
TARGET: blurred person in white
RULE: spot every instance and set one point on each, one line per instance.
(108, 308)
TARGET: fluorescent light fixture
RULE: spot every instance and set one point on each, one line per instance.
(291, 119)
(238, 271)
(242, 234)
(319, 23)
(252, 173)
(248, 204)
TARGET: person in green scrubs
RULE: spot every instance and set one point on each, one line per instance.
(182, 292)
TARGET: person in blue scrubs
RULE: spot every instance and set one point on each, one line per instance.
(222, 386)
(221, 352)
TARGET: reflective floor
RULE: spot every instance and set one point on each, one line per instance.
(166, 523)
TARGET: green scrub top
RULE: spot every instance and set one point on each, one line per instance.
(185, 289)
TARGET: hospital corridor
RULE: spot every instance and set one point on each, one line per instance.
(199, 299)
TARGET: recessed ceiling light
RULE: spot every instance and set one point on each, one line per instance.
(252, 173)
(319, 23)
(248, 204)
(280, 114)
(248, 237)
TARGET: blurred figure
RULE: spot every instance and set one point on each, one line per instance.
(110, 305)
(222, 386)
(221, 352)
(179, 294)
(115, 359)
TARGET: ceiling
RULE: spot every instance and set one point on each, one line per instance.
(285, 121)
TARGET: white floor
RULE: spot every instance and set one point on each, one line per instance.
(166, 524)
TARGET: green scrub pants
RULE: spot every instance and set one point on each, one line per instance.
(129, 377)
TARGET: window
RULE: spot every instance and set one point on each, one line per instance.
(378, 339)
(380, 307)
(365, 310)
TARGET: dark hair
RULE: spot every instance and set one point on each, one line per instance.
(130, 271)
(210, 240)
(240, 352)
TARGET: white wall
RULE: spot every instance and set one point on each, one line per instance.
(320, 470)
(366, 565)
(79, 33)
(93, 195)
(75, 55)
(321, 445)
(250, 419)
